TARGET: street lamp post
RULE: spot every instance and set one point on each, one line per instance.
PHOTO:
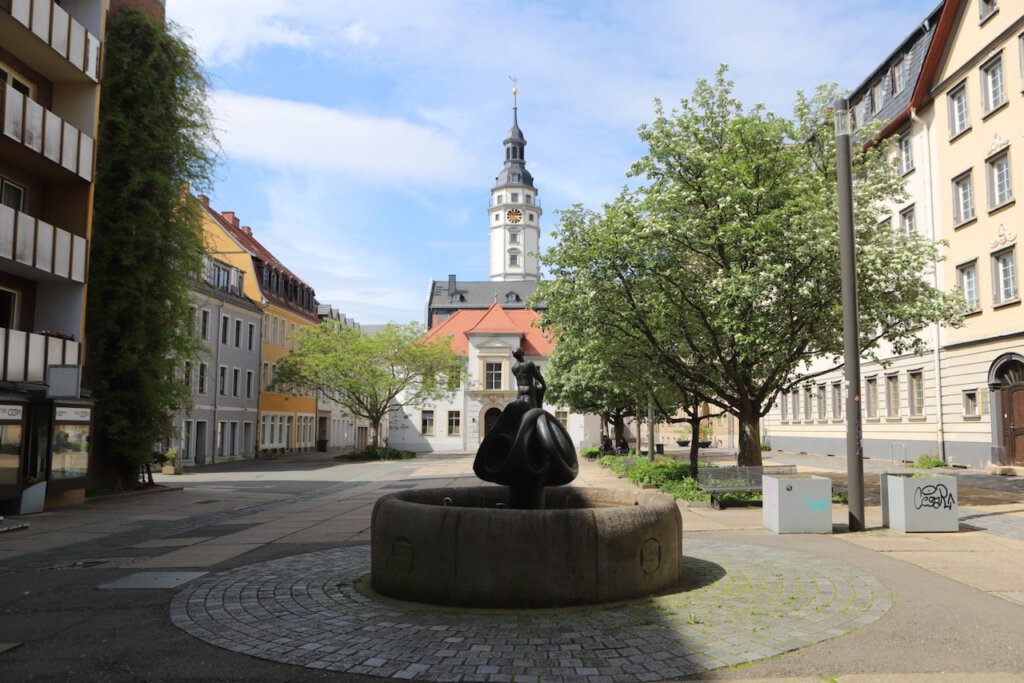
(851, 351)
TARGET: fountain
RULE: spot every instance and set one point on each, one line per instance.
(531, 541)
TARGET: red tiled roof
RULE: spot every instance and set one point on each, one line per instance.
(495, 320)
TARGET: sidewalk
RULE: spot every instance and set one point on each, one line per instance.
(90, 593)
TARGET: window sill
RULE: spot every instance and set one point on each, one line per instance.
(972, 418)
(894, 418)
(973, 312)
(965, 223)
(1003, 105)
(1015, 301)
(1005, 205)
(956, 136)
(909, 171)
(918, 418)
(872, 419)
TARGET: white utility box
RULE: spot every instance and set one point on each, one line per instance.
(797, 503)
(926, 503)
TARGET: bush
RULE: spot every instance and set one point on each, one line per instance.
(590, 453)
(766, 447)
(658, 472)
(927, 462)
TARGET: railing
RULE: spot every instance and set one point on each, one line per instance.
(38, 244)
(55, 27)
(25, 355)
(25, 121)
(534, 202)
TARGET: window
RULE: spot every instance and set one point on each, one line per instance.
(427, 422)
(515, 197)
(987, 8)
(963, 199)
(225, 323)
(454, 423)
(221, 437)
(203, 370)
(529, 217)
(821, 402)
(892, 395)
(204, 325)
(876, 98)
(971, 403)
(238, 334)
(796, 404)
(999, 191)
(871, 397)
(513, 238)
(513, 259)
(899, 76)
(807, 403)
(12, 195)
(500, 199)
(915, 395)
(8, 308)
(1004, 276)
(967, 281)
(188, 374)
(252, 337)
(837, 400)
(248, 383)
(992, 91)
(563, 418)
(492, 375)
(784, 407)
(266, 375)
(528, 198)
(233, 444)
(906, 154)
(908, 221)
(236, 382)
(958, 116)
(273, 333)
(496, 219)
(291, 338)
(222, 381)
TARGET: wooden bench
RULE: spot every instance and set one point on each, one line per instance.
(717, 480)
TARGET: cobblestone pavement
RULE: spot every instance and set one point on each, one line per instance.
(743, 603)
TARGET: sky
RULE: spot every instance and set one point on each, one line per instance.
(360, 139)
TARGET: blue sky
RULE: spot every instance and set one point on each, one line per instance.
(361, 138)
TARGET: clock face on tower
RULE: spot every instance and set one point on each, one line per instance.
(514, 216)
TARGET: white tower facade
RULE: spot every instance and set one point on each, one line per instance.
(514, 214)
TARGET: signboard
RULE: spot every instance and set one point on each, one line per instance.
(11, 413)
(63, 381)
(68, 414)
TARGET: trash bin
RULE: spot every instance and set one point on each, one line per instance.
(797, 503)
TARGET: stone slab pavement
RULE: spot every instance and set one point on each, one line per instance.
(950, 606)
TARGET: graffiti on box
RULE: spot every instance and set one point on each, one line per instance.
(935, 496)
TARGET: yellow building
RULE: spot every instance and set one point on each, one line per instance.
(287, 417)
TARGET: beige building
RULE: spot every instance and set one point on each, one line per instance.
(954, 95)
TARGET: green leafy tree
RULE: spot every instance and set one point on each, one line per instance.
(367, 373)
(155, 141)
(722, 268)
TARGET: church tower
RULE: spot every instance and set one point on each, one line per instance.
(514, 213)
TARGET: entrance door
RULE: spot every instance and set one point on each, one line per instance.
(1013, 423)
(200, 444)
(490, 417)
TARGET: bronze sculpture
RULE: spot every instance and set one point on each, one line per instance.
(528, 448)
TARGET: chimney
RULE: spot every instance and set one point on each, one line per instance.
(231, 218)
(451, 285)
(247, 230)
(204, 200)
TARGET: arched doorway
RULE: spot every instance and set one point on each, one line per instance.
(1006, 384)
(490, 417)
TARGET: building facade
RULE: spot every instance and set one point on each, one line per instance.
(337, 427)
(951, 94)
(49, 105)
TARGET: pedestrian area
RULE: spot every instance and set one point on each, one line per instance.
(260, 564)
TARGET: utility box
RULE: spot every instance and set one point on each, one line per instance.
(922, 504)
(797, 503)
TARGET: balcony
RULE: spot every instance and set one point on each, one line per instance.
(39, 245)
(25, 121)
(25, 355)
(61, 48)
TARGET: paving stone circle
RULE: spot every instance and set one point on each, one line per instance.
(746, 603)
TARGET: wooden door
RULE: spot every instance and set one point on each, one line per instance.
(1013, 424)
(490, 417)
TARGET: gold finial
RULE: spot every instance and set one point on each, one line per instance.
(515, 89)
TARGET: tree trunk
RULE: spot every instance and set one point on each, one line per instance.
(694, 444)
(750, 436)
(650, 428)
(638, 423)
(374, 432)
(620, 427)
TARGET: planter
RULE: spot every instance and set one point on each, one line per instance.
(33, 499)
(797, 503)
(172, 469)
(922, 504)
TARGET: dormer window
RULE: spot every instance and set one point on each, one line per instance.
(512, 298)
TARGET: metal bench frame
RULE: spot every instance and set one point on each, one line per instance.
(746, 479)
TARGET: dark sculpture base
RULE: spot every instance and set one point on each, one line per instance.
(456, 547)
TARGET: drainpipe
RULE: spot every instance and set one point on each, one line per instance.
(940, 435)
(216, 382)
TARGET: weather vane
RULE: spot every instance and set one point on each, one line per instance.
(515, 89)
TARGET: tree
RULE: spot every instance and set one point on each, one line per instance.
(722, 269)
(155, 140)
(367, 373)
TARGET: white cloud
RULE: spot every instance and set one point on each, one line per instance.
(314, 138)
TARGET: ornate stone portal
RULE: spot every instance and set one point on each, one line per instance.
(518, 545)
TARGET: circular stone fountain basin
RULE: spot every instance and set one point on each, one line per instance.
(587, 546)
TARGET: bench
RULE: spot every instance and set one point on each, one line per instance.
(717, 480)
(685, 443)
